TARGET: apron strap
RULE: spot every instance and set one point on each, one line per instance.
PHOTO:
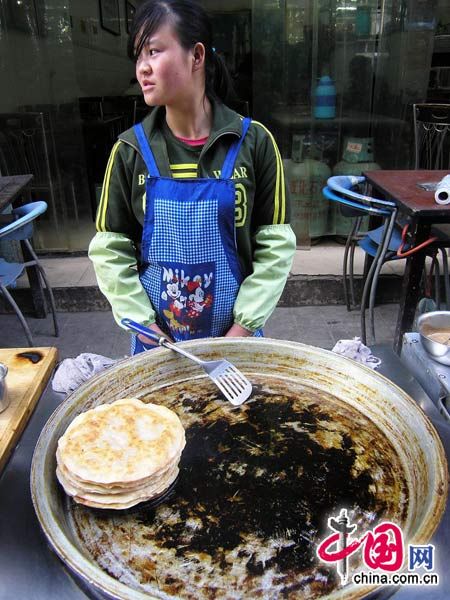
(147, 153)
(230, 159)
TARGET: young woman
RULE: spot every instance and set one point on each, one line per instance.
(192, 227)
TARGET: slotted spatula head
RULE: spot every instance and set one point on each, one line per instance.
(233, 384)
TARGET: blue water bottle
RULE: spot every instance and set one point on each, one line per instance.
(325, 99)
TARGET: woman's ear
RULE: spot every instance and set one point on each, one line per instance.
(198, 55)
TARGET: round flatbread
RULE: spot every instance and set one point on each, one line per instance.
(84, 486)
(121, 443)
(119, 500)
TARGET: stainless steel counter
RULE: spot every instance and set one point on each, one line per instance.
(29, 569)
(394, 370)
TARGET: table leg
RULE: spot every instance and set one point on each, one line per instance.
(37, 293)
(410, 288)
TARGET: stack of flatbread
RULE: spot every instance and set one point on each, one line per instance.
(117, 455)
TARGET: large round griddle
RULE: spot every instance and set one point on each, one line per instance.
(257, 483)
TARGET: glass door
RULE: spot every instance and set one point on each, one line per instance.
(335, 82)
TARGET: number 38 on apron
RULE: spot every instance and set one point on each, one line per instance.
(191, 269)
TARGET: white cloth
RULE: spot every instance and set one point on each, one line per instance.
(72, 372)
(358, 351)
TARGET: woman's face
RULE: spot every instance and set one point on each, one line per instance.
(164, 69)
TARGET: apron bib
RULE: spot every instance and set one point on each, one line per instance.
(190, 267)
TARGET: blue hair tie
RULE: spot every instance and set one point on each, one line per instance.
(213, 49)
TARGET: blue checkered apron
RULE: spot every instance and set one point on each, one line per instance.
(190, 267)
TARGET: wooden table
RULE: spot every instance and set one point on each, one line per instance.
(11, 187)
(29, 369)
(422, 212)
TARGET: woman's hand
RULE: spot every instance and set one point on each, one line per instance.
(148, 341)
(238, 331)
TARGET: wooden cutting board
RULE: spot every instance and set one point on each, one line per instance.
(29, 369)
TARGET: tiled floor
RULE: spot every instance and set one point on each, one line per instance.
(66, 272)
(98, 333)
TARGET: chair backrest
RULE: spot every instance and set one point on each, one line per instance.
(27, 146)
(343, 185)
(352, 208)
(22, 227)
(432, 136)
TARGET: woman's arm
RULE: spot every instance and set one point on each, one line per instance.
(113, 248)
(274, 247)
(273, 241)
(114, 258)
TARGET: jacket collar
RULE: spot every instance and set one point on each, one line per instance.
(225, 121)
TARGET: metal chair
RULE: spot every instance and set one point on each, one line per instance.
(27, 145)
(22, 229)
(355, 206)
(382, 244)
(432, 151)
(432, 136)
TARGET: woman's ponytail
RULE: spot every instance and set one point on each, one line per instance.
(218, 81)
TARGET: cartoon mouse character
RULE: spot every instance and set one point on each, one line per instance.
(198, 300)
(173, 292)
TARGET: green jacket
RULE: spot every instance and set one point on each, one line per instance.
(265, 241)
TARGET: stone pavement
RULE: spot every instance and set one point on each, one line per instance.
(311, 309)
(97, 332)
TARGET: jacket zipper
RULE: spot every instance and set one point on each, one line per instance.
(211, 142)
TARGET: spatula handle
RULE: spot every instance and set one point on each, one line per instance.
(138, 328)
(162, 341)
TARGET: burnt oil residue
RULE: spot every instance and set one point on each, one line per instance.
(256, 486)
(33, 356)
(260, 476)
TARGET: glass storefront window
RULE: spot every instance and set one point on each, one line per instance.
(351, 70)
(334, 80)
(63, 76)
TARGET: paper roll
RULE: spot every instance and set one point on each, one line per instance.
(442, 193)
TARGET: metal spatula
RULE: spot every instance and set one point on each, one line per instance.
(231, 382)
